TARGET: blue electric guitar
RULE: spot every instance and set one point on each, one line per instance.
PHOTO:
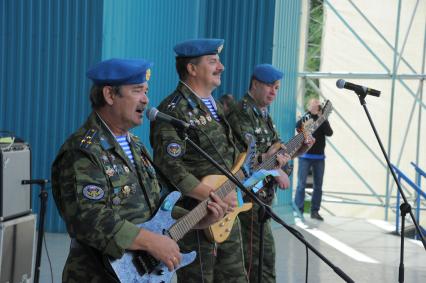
(141, 267)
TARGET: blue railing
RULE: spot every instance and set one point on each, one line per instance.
(416, 187)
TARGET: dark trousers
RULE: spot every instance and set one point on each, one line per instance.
(318, 166)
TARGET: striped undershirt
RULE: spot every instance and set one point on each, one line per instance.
(212, 107)
(124, 143)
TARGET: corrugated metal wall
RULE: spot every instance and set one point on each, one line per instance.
(150, 29)
(259, 32)
(285, 57)
(47, 46)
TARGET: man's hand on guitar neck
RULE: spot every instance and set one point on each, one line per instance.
(217, 209)
(307, 144)
(202, 191)
(282, 159)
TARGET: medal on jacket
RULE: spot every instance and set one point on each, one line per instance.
(126, 190)
(116, 200)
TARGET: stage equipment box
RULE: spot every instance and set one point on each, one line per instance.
(17, 249)
(15, 166)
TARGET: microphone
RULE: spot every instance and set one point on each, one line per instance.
(154, 115)
(357, 88)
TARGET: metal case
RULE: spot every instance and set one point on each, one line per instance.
(15, 166)
(17, 245)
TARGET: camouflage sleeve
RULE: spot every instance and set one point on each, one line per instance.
(89, 217)
(169, 150)
(241, 124)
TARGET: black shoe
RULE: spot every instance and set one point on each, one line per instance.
(316, 215)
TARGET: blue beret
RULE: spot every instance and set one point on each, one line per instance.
(120, 72)
(267, 73)
(199, 47)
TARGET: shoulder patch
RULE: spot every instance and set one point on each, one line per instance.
(93, 192)
(174, 149)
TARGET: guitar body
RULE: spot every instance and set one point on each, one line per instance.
(139, 266)
(220, 231)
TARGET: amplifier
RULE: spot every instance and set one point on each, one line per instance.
(15, 166)
(17, 248)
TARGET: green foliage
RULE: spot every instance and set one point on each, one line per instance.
(313, 59)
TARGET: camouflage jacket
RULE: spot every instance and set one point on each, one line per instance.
(178, 159)
(245, 118)
(101, 195)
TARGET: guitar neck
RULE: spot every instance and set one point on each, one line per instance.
(187, 222)
(293, 145)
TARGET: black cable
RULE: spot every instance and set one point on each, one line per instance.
(48, 258)
(307, 264)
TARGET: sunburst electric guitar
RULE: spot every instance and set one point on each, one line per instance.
(220, 231)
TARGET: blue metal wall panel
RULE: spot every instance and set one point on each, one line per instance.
(259, 32)
(150, 29)
(247, 27)
(285, 57)
(46, 47)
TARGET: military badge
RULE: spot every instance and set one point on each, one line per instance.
(116, 200)
(126, 190)
(109, 171)
(202, 120)
(126, 169)
(174, 149)
(209, 118)
(148, 74)
(93, 192)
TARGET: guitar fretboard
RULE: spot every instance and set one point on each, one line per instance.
(187, 222)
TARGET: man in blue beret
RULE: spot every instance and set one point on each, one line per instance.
(199, 68)
(251, 116)
(104, 183)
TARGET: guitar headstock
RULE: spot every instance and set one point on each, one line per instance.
(327, 109)
(309, 126)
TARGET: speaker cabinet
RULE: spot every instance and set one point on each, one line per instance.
(17, 248)
(15, 198)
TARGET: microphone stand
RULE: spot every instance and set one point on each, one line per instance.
(43, 201)
(405, 206)
(267, 210)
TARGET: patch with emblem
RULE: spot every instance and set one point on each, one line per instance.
(126, 169)
(93, 192)
(209, 118)
(174, 149)
(202, 120)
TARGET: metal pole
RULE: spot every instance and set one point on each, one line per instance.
(394, 71)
